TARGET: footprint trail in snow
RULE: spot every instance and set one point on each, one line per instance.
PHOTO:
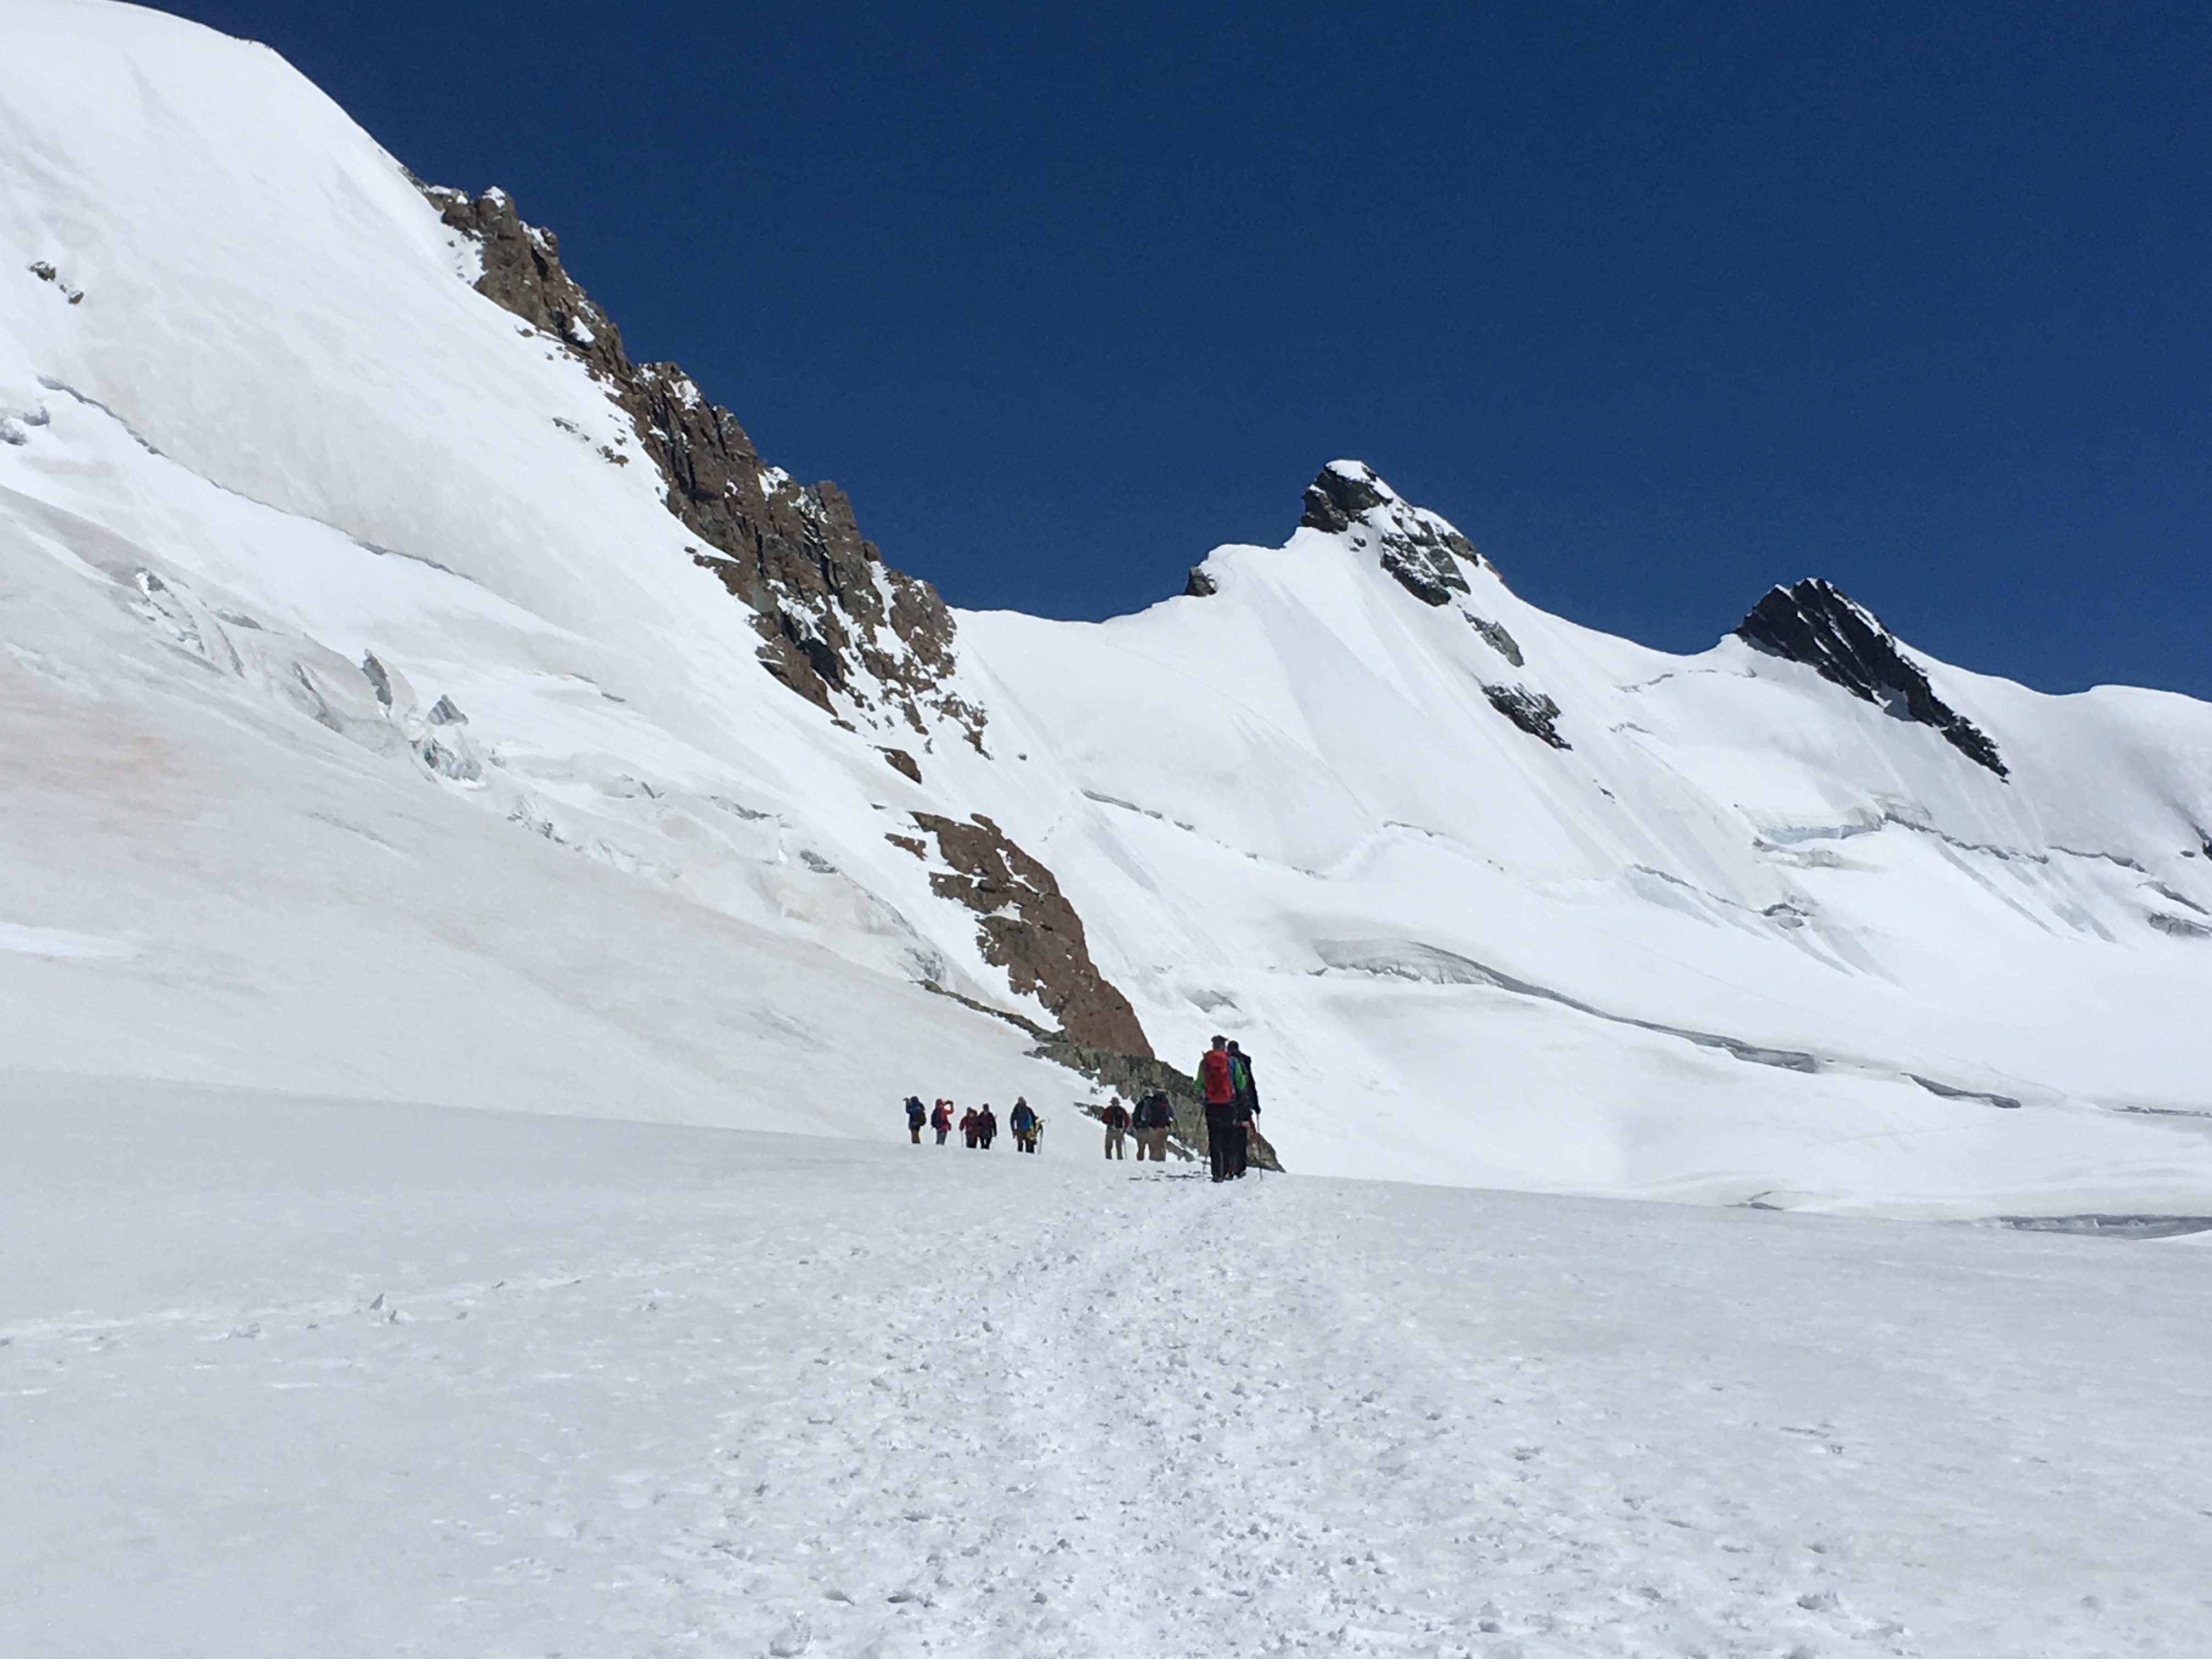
(281, 1375)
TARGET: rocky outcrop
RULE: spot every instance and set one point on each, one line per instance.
(1025, 924)
(1532, 712)
(1419, 549)
(836, 622)
(1815, 622)
(1495, 637)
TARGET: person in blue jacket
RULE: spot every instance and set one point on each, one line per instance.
(1023, 1122)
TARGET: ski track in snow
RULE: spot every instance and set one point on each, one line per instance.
(640, 1390)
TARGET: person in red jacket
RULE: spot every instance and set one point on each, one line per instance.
(1224, 1134)
(1116, 1117)
(940, 1119)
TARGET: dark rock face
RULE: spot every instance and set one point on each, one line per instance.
(1500, 641)
(1200, 586)
(821, 595)
(1532, 712)
(1416, 547)
(1815, 624)
(1026, 926)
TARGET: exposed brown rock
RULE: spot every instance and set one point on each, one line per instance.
(835, 621)
(900, 760)
(1026, 926)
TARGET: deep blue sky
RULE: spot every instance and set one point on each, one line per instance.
(1661, 304)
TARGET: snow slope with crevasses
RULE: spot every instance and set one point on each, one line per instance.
(280, 432)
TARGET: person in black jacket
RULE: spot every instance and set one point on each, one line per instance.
(1151, 1122)
(1247, 1107)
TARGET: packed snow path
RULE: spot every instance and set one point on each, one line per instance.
(282, 1377)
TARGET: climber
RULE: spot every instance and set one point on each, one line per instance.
(1224, 1131)
(1116, 1117)
(940, 1119)
(1248, 1101)
(971, 1125)
(1023, 1122)
(986, 1127)
(916, 1115)
(1154, 1118)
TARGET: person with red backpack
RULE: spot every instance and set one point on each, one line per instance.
(1224, 1129)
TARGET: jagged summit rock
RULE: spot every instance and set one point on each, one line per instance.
(1420, 550)
(1817, 624)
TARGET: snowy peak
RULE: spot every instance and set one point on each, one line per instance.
(1816, 623)
(1415, 546)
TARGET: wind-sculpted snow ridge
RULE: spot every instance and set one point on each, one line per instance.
(426, 699)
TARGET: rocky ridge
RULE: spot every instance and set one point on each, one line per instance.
(1816, 623)
(837, 625)
(1025, 924)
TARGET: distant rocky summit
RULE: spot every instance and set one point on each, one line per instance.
(1816, 623)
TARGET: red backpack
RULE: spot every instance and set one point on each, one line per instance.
(1213, 1077)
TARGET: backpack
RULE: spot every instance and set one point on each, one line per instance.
(1216, 1077)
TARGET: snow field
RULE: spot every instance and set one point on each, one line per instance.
(283, 1374)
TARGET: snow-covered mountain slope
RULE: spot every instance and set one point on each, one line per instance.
(405, 692)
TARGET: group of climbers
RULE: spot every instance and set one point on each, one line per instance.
(979, 1125)
(1224, 1083)
(1147, 1122)
(1232, 1100)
